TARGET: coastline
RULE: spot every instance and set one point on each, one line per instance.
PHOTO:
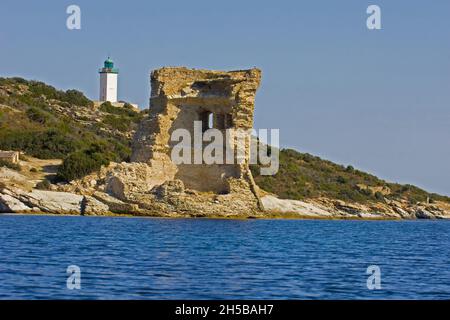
(269, 216)
(14, 200)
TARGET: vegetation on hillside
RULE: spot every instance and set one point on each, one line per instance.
(29, 122)
(303, 176)
(81, 163)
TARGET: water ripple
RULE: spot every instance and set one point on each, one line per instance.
(143, 258)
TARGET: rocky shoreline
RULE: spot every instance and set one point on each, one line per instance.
(81, 199)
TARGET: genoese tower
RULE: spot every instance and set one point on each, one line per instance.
(108, 81)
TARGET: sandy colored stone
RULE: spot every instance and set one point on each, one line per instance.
(92, 207)
(273, 204)
(9, 204)
(115, 205)
(48, 201)
(181, 96)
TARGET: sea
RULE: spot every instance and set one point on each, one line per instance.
(79, 257)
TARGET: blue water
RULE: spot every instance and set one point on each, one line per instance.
(148, 258)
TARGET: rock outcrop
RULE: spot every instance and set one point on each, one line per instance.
(171, 199)
(10, 204)
(54, 202)
(323, 208)
(18, 200)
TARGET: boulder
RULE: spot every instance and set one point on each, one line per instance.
(273, 204)
(115, 205)
(48, 201)
(9, 204)
(424, 214)
(168, 187)
(92, 207)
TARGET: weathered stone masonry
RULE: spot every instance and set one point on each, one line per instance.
(181, 96)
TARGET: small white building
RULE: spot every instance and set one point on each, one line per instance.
(108, 81)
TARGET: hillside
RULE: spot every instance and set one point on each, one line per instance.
(303, 176)
(46, 123)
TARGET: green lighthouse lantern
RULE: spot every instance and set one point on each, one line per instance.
(108, 67)
(109, 64)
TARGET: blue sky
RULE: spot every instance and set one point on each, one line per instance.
(379, 100)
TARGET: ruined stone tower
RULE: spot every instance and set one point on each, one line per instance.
(180, 98)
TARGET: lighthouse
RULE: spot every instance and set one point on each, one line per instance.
(108, 81)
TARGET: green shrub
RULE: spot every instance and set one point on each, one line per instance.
(366, 192)
(77, 165)
(77, 98)
(43, 185)
(341, 179)
(379, 196)
(126, 111)
(38, 88)
(106, 107)
(13, 80)
(47, 144)
(119, 149)
(36, 115)
(82, 163)
(119, 123)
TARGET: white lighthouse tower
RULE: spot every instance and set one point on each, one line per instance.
(108, 81)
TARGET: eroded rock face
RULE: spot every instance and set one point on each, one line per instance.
(18, 200)
(15, 200)
(125, 179)
(10, 204)
(92, 207)
(115, 205)
(285, 206)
